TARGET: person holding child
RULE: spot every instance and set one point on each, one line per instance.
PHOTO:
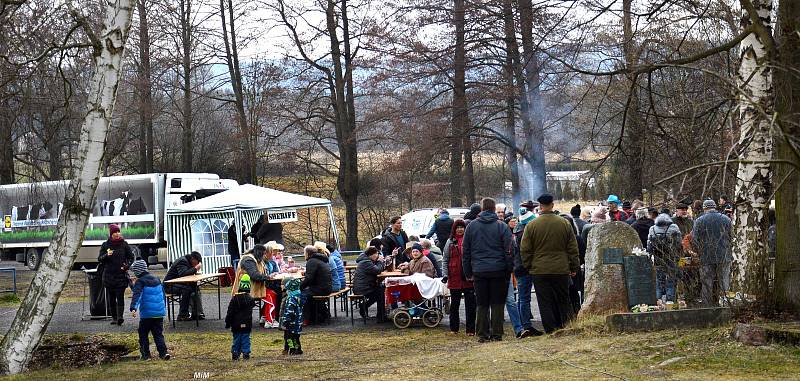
(292, 317)
(240, 319)
(148, 302)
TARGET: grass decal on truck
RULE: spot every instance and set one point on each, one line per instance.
(92, 234)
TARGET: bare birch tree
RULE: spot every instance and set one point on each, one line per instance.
(37, 308)
(754, 175)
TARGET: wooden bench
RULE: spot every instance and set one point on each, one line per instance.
(334, 295)
(356, 301)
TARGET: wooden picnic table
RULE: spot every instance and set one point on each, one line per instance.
(282, 276)
(196, 281)
(387, 274)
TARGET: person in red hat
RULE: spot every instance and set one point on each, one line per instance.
(115, 258)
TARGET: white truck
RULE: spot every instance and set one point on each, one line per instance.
(137, 203)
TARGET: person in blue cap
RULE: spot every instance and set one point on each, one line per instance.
(614, 212)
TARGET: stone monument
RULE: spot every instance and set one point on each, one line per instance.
(606, 246)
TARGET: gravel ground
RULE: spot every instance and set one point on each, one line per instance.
(69, 313)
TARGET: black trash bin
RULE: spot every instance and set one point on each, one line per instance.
(97, 295)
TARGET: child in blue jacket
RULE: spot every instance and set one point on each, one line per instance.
(148, 302)
(292, 317)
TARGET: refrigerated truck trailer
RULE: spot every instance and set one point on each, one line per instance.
(137, 203)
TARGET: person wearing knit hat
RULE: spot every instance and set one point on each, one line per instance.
(419, 263)
(240, 319)
(114, 260)
(148, 302)
(614, 213)
(139, 268)
(292, 317)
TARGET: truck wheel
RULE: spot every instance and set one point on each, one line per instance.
(33, 259)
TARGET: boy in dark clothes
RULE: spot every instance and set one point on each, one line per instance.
(148, 301)
(292, 317)
(240, 319)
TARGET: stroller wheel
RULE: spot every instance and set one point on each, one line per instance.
(401, 319)
(431, 318)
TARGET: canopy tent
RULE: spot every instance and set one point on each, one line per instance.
(203, 225)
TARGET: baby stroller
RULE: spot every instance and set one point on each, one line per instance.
(416, 295)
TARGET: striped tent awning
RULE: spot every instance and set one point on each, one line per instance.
(203, 225)
(206, 233)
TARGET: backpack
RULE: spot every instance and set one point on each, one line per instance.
(664, 249)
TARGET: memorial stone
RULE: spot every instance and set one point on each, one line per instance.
(605, 282)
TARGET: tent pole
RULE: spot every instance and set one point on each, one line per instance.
(333, 225)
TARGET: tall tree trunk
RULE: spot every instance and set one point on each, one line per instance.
(787, 196)
(347, 178)
(635, 132)
(37, 308)
(145, 91)
(351, 180)
(53, 147)
(248, 155)
(534, 110)
(754, 180)
(7, 137)
(186, 45)
(459, 113)
(469, 171)
(510, 127)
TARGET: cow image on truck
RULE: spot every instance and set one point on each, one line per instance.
(137, 203)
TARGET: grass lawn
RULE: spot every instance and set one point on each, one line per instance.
(586, 352)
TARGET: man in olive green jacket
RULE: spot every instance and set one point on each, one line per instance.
(549, 251)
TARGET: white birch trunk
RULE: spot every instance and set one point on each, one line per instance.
(37, 308)
(753, 180)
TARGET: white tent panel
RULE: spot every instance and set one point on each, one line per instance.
(249, 196)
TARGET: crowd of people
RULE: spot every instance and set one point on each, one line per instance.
(491, 260)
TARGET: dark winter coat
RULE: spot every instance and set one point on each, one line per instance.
(711, 236)
(318, 275)
(115, 266)
(233, 243)
(685, 224)
(265, 232)
(365, 278)
(642, 227)
(180, 268)
(442, 228)
(148, 297)
(240, 313)
(392, 241)
(549, 246)
(452, 267)
(487, 247)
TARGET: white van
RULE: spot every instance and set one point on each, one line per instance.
(418, 222)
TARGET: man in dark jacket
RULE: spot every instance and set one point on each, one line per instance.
(711, 236)
(115, 258)
(642, 225)
(682, 219)
(190, 294)
(317, 281)
(487, 259)
(394, 241)
(549, 250)
(474, 210)
(441, 227)
(263, 231)
(365, 279)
